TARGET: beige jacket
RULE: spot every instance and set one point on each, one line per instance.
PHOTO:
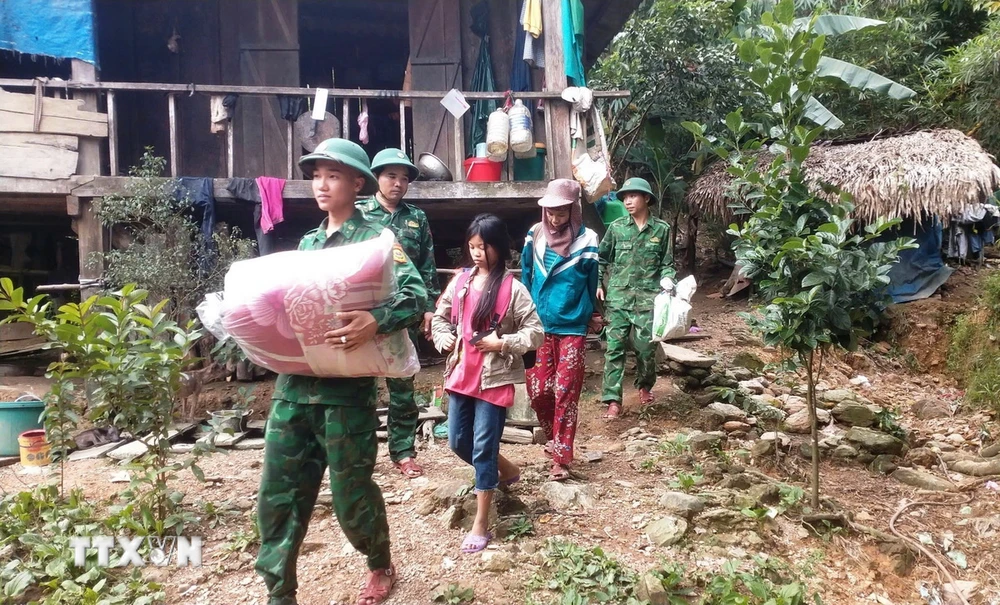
(520, 329)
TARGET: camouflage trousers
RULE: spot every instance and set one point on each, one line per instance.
(403, 413)
(625, 329)
(301, 441)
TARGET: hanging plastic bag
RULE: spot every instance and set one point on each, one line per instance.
(279, 307)
(672, 309)
(590, 166)
(497, 135)
(521, 140)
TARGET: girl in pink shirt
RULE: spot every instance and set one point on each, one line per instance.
(487, 321)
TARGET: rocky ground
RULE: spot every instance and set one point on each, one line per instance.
(715, 472)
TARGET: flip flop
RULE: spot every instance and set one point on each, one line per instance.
(373, 592)
(473, 543)
(409, 468)
(548, 448)
(614, 411)
(560, 475)
(645, 397)
(511, 481)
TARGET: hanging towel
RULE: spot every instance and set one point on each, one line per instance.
(534, 45)
(198, 191)
(531, 17)
(272, 205)
(221, 113)
(292, 107)
(363, 122)
(246, 190)
(572, 27)
(581, 98)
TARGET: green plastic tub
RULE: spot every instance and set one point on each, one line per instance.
(531, 169)
(613, 210)
(17, 417)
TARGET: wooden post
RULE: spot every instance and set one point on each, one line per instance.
(229, 149)
(402, 126)
(291, 160)
(345, 123)
(560, 152)
(172, 111)
(90, 233)
(112, 135)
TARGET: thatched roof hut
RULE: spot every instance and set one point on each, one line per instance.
(916, 175)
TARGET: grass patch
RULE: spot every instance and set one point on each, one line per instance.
(974, 352)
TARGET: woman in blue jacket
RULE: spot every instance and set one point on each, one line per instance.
(559, 267)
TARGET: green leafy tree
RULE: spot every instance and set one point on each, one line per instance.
(132, 354)
(821, 278)
(164, 251)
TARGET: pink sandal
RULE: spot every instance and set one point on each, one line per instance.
(374, 592)
(473, 543)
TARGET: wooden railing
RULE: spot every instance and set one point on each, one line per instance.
(344, 95)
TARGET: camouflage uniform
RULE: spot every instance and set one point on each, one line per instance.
(413, 231)
(634, 261)
(320, 422)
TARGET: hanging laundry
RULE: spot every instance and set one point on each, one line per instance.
(198, 191)
(292, 107)
(581, 98)
(363, 122)
(531, 17)
(245, 190)
(572, 28)
(534, 44)
(271, 202)
(222, 109)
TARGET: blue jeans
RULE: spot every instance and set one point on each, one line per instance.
(474, 430)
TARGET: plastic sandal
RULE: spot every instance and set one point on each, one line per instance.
(645, 397)
(473, 543)
(374, 592)
(409, 468)
(511, 481)
(614, 411)
(559, 474)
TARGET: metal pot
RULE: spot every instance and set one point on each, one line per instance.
(433, 169)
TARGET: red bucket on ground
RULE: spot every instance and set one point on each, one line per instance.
(482, 170)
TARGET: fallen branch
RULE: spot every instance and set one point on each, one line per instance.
(920, 547)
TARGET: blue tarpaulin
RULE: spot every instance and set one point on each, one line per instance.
(920, 271)
(63, 29)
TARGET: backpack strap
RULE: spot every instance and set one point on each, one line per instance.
(461, 282)
(503, 300)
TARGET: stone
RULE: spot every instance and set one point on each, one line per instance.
(686, 357)
(737, 373)
(753, 386)
(839, 395)
(95, 452)
(746, 359)
(900, 556)
(884, 463)
(929, 408)
(451, 492)
(762, 448)
(708, 419)
(844, 452)
(799, 422)
(794, 400)
(955, 439)
(699, 373)
(764, 494)
(254, 443)
(734, 426)
(666, 531)
(637, 449)
(736, 481)
(722, 518)
(681, 504)
(769, 413)
(496, 561)
(703, 399)
(703, 442)
(806, 450)
(730, 411)
(865, 457)
(922, 480)
(593, 456)
(538, 435)
(854, 414)
(921, 456)
(976, 469)
(616, 447)
(991, 451)
(873, 441)
(129, 451)
(650, 590)
(562, 496)
(426, 506)
(452, 517)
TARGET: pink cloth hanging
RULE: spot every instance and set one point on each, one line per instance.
(272, 209)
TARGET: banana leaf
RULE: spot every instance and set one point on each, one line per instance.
(860, 78)
(834, 25)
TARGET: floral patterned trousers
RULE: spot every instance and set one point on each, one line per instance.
(554, 386)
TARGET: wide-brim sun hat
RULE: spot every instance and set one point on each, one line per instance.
(639, 185)
(560, 192)
(394, 157)
(344, 152)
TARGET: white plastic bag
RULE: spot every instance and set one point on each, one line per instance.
(672, 312)
(279, 307)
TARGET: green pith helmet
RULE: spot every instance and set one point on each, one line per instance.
(394, 157)
(343, 152)
(637, 184)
